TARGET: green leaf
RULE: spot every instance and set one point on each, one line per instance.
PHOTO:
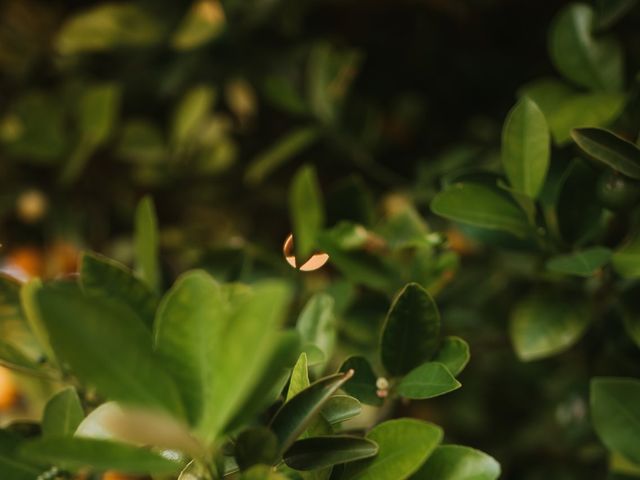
(12, 466)
(78, 453)
(107, 26)
(455, 462)
(363, 383)
(525, 147)
(96, 117)
(584, 263)
(203, 22)
(429, 380)
(626, 260)
(307, 214)
(62, 414)
(206, 339)
(545, 325)
(102, 276)
(608, 148)
(146, 243)
(341, 408)
(254, 446)
(20, 344)
(480, 206)
(453, 354)
(321, 452)
(595, 63)
(317, 323)
(294, 416)
(410, 334)
(610, 11)
(101, 339)
(615, 413)
(190, 115)
(404, 445)
(284, 150)
(32, 314)
(299, 377)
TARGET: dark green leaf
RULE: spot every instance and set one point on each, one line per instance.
(595, 63)
(410, 334)
(146, 243)
(363, 383)
(427, 381)
(262, 472)
(545, 325)
(340, 408)
(615, 413)
(78, 453)
(307, 214)
(455, 462)
(525, 147)
(12, 467)
(610, 11)
(453, 354)
(404, 445)
(321, 452)
(480, 206)
(62, 414)
(626, 260)
(102, 276)
(254, 446)
(608, 148)
(583, 263)
(295, 415)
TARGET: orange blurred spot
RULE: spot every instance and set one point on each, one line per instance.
(61, 259)
(8, 390)
(316, 261)
(459, 243)
(120, 476)
(27, 260)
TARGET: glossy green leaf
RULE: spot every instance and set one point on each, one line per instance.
(205, 338)
(254, 446)
(626, 260)
(307, 212)
(283, 151)
(584, 263)
(593, 62)
(12, 466)
(101, 339)
(102, 276)
(608, 148)
(615, 413)
(203, 22)
(317, 323)
(295, 415)
(62, 414)
(525, 147)
(107, 26)
(322, 452)
(78, 453)
(404, 445)
(363, 383)
(545, 325)
(299, 377)
(455, 462)
(429, 380)
(410, 335)
(146, 243)
(480, 206)
(33, 317)
(341, 408)
(454, 354)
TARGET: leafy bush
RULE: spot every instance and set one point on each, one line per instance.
(210, 357)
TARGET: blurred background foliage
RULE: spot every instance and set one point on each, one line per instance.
(211, 106)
